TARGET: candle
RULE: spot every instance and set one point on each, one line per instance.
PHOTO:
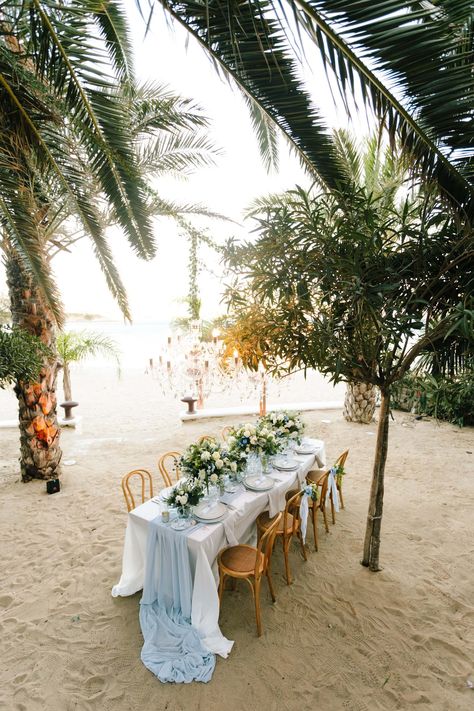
(165, 516)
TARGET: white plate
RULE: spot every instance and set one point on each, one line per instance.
(306, 450)
(257, 483)
(181, 524)
(210, 513)
(286, 465)
(209, 520)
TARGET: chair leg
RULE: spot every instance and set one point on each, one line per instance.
(222, 577)
(325, 519)
(257, 606)
(286, 548)
(303, 549)
(270, 583)
(340, 497)
(315, 527)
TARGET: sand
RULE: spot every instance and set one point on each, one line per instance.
(339, 638)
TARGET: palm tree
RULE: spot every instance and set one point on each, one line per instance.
(407, 61)
(74, 346)
(62, 120)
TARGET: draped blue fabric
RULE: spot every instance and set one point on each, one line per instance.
(172, 648)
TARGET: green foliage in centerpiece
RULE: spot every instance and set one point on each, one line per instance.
(254, 439)
(205, 461)
(286, 425)
(186, 493)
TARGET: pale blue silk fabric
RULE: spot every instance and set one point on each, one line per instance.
(172, 648)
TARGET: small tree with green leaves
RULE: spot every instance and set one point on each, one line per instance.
(359, 292)
(74, 346)
(21, 356)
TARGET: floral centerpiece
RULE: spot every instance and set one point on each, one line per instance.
(185, 494)
(286, 425)
(206, 462)
(256, 439)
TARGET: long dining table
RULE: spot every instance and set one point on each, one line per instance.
(205, 540)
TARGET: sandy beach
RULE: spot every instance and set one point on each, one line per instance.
(339, 638)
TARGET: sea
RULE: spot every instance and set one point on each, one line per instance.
(136, 342)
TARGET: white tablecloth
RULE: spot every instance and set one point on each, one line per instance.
(205, 543)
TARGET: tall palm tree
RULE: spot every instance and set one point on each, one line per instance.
(76, 135)
(409, 61)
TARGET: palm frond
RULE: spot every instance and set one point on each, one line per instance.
(253, 48)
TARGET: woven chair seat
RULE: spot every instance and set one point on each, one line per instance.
(263, 522)
(241, 559)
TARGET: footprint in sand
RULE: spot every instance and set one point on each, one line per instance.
(6, 601)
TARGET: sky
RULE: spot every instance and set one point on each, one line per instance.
(156, 289)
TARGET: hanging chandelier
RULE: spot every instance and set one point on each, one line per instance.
(190, 368)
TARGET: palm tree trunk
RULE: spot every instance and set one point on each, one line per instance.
(40, 453)
(374, 518)
(67, 382)
(359, 402)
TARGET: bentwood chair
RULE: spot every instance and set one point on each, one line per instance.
(225, 431)
(340, 461)
(321, 480)
(206, 438)
(168, 466)
(288, 527)
(250, 564)
(146, 483)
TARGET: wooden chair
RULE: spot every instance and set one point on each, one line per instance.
(225, 432)
(206, 438)
(146, 479)
(250, 564)
(321, 480)
(288, 527)
(168, 466)
(340, 461)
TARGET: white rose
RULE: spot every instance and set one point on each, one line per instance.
(233, 466)
(202, 474)
(264, 431)
(242, 455)
(214, 478)
(182, 499)
(205, 456)
(253, 440)
(248, 425)
(231, 441)
(246, 433)
(291, 423)
(216, 456)
(219, 464)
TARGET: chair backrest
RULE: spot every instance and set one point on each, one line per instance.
(341, 460)
(265, 544)
(145, 477)
(168, 466)
(225, 431)
(292, 507)
(206, 438)
(323, 482)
